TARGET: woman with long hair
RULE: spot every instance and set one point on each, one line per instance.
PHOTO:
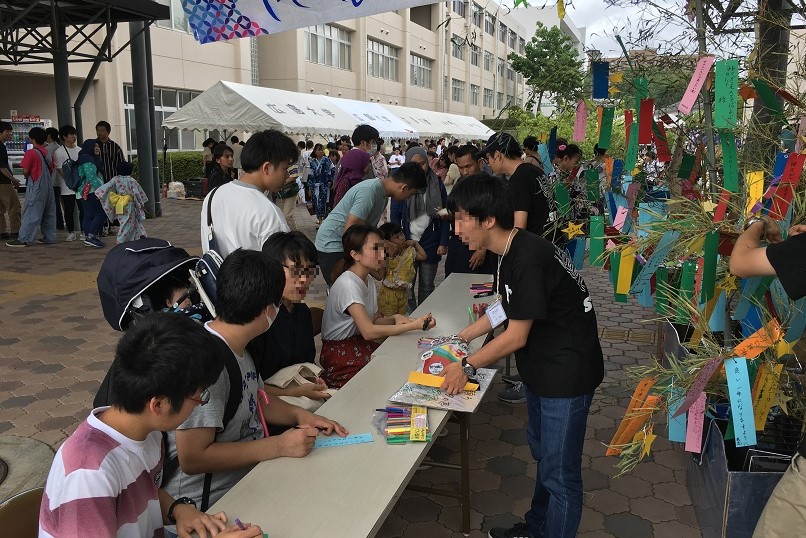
(221, 172)
(351, 323)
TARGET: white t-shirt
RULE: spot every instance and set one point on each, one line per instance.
(236, 155)
(396, 160)
(348, 289)
(243, 217)
(58, 160)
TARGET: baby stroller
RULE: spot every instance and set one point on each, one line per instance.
(143, 276)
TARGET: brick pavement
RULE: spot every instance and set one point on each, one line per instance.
(55, 347)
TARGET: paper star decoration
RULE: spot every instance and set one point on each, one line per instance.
(728, 283)
(648, 439)
(573, 230)
(780, 401)
(708, 206)
(519, 2)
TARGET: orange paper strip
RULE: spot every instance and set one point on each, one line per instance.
(756, 343)
(634, 424)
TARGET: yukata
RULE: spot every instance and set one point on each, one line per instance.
(319, 180)
(393, 297)
(123, 199)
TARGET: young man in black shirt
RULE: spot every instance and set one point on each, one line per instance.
(786, 507)
(551, 327)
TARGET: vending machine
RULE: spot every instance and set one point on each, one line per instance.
(18, 145)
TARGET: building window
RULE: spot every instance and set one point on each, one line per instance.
(381, 60)
(522, 46)
(501, 67)
(503, 32)
(329, 45)
(458, 47)
(488, 61)
(510, 73)
(513, 39)
(474, 94)
(488, 98)
(166, 102)
(459, 7)
(457, 90)
(475, 52)
(489, 23)
(500, 98)
(421, 71)
(178, 20)
(476, 12)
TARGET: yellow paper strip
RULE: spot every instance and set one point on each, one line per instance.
(625, 270)
(430, 380)
(419, 423)
(765, 390)
(755, 189)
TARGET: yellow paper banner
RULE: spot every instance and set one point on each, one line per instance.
(755, 189)
(765, 390)
(625, 270)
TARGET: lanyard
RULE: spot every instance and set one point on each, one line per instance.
(498, 271)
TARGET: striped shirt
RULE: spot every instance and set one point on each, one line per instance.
(102, 483)
(110, 156)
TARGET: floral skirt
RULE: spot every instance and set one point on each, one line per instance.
(342, 359)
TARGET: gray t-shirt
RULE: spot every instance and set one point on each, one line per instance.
(367, 200)
(244, 426)
(348, 289)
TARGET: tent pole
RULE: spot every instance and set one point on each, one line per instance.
(141, 113)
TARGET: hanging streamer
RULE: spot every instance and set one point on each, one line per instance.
(695, 424)
(596, 240)
(645, 121)
(601, 75)
(709, 266)
(741, 405)
(581, 121)
(661, 143)
(730, 163)
(726, 96)
(696, 83)
(606, 130)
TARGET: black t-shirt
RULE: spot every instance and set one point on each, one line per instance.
(4, 164)
(527, 195)
(562, 357)
(288, 341)
(788, 258)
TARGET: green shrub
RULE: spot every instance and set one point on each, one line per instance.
(181, 166)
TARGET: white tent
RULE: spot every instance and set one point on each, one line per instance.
(389, 125)
(240, 107)
(436, 124)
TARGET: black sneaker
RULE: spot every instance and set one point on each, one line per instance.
(518, 531)
(16, 243)
(516, 394)
(512, 379)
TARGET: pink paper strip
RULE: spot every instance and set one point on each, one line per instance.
(696, 421)
(621, 216)
(699, 384)
(800, 135)
(695, 85)
(581, 121)
(610, 244)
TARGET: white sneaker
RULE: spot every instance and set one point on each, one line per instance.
(70, 237)
(81, 236)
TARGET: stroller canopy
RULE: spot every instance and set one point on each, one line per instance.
(129, 269)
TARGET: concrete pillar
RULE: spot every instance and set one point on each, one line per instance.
(61, 73)
(145, 151)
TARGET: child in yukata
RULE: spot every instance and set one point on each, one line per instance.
(400, 273)
(124, 200)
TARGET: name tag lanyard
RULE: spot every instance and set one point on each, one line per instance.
(495, 312)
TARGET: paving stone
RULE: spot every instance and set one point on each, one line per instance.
(627, 525)
(594, 480)
(393, 527)
(418, 509)
(687, 515)
(486, 432)
(515, 437)
(655, 510)
(8, 386)
(518, 486)
(47, 369)
(675, 529)
(491, 502)
(56, 423)
(16, 401)
(426, 528)
(499, 521)
(591, 520)
(608, 502)
(451, 518)
(506, 466)
(673, 493)
(631, 486)
(653, 472)
(5, 426)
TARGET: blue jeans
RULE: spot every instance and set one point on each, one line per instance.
(426, 273)
(94, 215)
(38, 211)
(556, 432)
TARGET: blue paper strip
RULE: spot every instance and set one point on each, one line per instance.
(618, 170)
(553, 142)
(665, 244)
(645, 298)
(780, 299)
(741, 402)
(780, 164)
(676, 424)
(797, 323)
(647, 214)
(578, 254)
(717, 321)
(543, 150)
(601, 79)
(749, 287)
(625, 184)
(611, 204)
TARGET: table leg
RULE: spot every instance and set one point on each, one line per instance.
(464, 481)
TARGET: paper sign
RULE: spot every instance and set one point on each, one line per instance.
(581, 121)
(641, 88)
(695, 85)
(645, 298)
(621, 218)
(765, 390)
(749, 287)
(741, 405)
(726, 95)
(495, 314)
(626, 266)
(601, 75)
(676, 423)
(752, 346)
(698, 387)
(647, 214)
(618, 172)
(755, 189)
(778, 168)
(592, 184)
(730, 164)
(687, 279)
(696, 420)
(561, 198)
(632, 195)
(667, 241)
(598, 120)
(606, 129)
(722, 206)
(661, 143)
(645, 121)
(661, 291)
(596, 240)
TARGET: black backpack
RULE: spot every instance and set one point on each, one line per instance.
(206, 273)
(104, 396)
(70, 172)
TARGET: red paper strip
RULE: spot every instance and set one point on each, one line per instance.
(645, 120)
(722, 206)
(628, 119)
(661, 143)
(786, 189)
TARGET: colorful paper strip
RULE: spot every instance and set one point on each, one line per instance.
(601, 75)
(667, 241)
(741, 404)
(765, 390)
(645, 121)
(581, 121)
(606, 129)
(730, 164)
(676, 423)
(596, 241)
(694, 427)
(726, 94)
(695, 85)
(700, 382)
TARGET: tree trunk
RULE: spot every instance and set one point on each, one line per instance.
(539, 101)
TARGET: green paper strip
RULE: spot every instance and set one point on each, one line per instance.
(597, 241)
(592, 182)
(606, 128)
(562, 199)
(768, 97)
(661, 299)
(708, 283)
(730, 163)
(641, 85)
(730, 434)
(686, 290)
(615, 262)
(726, 94)
(686, 166)
(631, 156)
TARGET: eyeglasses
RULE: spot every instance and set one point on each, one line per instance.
(203, 399)
(308, 271)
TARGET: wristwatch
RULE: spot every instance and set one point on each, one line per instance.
(753, 220)
(180, 500)
(468, 369)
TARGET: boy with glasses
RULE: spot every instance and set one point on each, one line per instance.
(105, 479)
(214, 455)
